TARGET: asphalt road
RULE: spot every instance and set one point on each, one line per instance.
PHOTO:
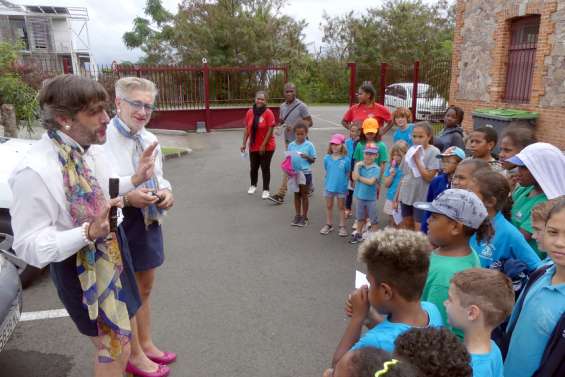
(241, 294)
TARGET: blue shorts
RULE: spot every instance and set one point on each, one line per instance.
(339, 195)
(65, 277)
(367, 209)
(146, 245)
(411, 211)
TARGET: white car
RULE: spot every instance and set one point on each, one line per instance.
(430, 105)
(11, 152)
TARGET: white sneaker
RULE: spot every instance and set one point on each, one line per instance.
(265, 194)
(252, 190)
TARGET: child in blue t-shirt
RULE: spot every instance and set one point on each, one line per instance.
(508, 242)
(480, 299)
(397, 263)
(350, 145)
(366, 177)
(303, 155)
(541, 307)
(392, 177)
(337, 167)
(402, 119)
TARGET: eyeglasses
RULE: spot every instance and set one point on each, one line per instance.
(138, 105)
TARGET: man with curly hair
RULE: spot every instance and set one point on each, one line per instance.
(436, 352)
(397, 266)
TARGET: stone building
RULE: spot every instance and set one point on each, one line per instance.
(511, 54)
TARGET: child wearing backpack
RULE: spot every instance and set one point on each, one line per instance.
(456, 215)
(397, 265)
(536, 345)
(337, 168)
(478, 301)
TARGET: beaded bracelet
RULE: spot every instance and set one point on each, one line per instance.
(85, 227)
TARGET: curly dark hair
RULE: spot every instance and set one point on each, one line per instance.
(436, 352)
(399, 257)
(367, 361)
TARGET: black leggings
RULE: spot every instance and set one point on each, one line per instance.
(263, 161)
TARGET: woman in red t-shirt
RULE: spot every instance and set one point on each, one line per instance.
(259, 126)
(366, 108)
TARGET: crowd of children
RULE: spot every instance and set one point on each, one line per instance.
(483, 293)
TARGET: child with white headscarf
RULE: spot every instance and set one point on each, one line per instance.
(541, 176)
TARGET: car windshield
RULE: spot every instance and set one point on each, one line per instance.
(426, 92)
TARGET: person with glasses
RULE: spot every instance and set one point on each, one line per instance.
(291, 111)
(60, 218)
(127, 139)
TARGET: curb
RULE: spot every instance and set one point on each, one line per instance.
(185, 152)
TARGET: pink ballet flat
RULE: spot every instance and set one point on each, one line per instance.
(167, 358)
(162, 371)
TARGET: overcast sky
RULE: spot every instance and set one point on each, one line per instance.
(110, 19)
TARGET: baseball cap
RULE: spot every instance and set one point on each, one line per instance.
(453, 151)
(337, 139)
(516, 160)
(370, 125)
(371, 148)
(460, 205)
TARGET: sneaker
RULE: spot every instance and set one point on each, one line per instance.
(296, 221)
(356, 238)
(305, 221)
(265, 194)
(326, 229)
(342, 232)
(277, 199)
(252, 190)
(302, 222)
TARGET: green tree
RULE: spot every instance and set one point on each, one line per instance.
(225, 32)
(399, 31)
(13, 89)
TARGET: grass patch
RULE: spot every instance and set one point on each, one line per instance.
(171, 150)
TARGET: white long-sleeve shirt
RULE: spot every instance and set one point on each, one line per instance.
(120, 149)
(43, 228)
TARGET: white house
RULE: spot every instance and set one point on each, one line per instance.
(54, 37)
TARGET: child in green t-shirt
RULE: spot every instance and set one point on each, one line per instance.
(456, 215)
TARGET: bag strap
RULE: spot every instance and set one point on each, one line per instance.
(552, 362)
(534, 276)
(290, 112)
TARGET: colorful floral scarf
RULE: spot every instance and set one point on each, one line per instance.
(99, 266)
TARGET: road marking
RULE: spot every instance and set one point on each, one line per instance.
(43, 314)
(328, 121)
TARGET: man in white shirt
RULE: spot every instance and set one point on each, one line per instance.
(60, 217)
(127, 139)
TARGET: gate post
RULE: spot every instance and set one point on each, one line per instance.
(206, 72)
(382, 86)
(352, 79)
(415, 88)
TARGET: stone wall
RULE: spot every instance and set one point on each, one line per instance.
(482, 37)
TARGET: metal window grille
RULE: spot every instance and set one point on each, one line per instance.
(521, 59)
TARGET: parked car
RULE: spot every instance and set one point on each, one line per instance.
(10, 292)
(430, 105)
(11, 151)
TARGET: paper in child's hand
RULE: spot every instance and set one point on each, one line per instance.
(360, 280)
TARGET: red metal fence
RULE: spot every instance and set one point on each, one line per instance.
(217, 96)
(422, 87)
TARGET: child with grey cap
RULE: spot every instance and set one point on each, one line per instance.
(456, 215)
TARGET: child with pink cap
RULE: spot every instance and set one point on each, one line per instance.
(337, 166)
